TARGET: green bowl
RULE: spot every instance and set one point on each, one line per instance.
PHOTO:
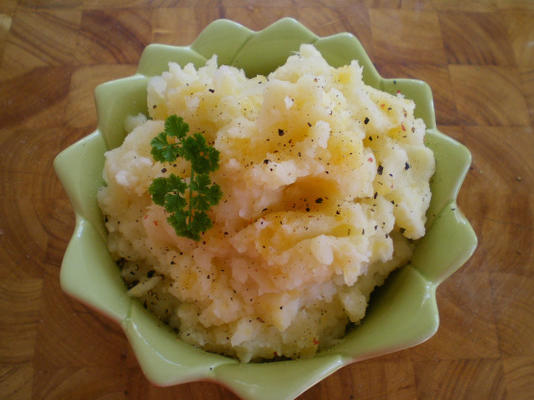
(402, 313)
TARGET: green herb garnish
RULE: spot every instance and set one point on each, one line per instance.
(187, 203)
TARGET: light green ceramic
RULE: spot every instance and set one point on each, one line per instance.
(403, 312)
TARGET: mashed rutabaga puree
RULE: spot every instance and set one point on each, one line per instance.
(325, 180)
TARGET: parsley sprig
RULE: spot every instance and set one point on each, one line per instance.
(186, 202)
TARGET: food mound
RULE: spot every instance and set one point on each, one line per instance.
(325, 183)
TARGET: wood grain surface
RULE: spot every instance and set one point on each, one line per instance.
(478, 57)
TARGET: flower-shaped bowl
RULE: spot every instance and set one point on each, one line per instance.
(402, 313)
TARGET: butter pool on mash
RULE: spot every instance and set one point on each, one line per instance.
(325, 180)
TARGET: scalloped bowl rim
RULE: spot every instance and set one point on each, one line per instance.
(159, 354)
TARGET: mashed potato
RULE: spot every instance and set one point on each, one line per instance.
(324, 181)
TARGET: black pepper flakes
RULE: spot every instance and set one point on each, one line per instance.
(319, 200)
(163, 170)
(366, 121)
(150, 273)
(406, 165)
(281, 132)
(211, 90)
(379, 170)
(374, 196)
(309, 124)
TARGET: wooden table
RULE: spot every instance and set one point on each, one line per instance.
(478, 57)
